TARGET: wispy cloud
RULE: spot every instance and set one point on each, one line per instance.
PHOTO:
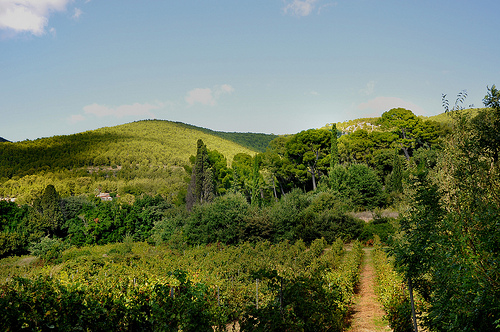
(78, 12)
(207, 96)
(369, 89)
(28, 15)
(135, 109)
(379, 105)
(76, 118)
(299, 7)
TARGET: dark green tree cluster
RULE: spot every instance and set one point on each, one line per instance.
(230, 219)
(76, 220)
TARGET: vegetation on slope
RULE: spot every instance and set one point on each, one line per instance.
(254, 141)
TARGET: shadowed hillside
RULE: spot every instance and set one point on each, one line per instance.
(152, 151)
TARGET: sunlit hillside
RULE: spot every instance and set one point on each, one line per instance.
(114, 159)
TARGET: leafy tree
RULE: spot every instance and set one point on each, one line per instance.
(222, 220)
(309, 151)
(450, 241)
(404, 122)
(357, 183)
(275, 162)
(242, 174)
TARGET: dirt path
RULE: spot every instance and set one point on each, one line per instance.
(367, 312)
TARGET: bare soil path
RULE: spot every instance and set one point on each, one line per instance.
(367, 312)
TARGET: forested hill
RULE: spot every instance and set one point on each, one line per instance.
(3, 140)
(252, 141)
(146, 143)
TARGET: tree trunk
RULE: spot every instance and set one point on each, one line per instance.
(405, 150)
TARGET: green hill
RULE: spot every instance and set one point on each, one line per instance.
(113, 158)
(447, 118)
(253, 141)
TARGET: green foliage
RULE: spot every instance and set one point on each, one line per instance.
(391, 291)
(395, 182)
(358, 183)
(334, 149)
(449, 245)
(145, 157)
(45, 303)
(403, 122)
(382, 227)
(220, 221)
(309, 152)
(49, 210)
(331, 225)
(48, 249)
(254, 141)
(210, 287)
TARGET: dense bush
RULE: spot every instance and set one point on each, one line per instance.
(359, 184)
(382, 227)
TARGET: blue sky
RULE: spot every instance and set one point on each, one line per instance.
(272, 66)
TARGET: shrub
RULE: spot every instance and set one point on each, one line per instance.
(48, 249)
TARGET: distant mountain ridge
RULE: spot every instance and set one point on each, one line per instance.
(3, 140)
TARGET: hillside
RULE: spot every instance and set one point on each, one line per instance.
(3, 140)
(150, 142)
(370, 124)
(446, 118)
(253, 141)
(152, 150)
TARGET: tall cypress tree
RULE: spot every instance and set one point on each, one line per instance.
(256, 198)
(200, 168)
(49, 207)
(201, 188)
(334, 152)
(397, 173)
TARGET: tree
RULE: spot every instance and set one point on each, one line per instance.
(201, 188)
(275, 162)
(357, 183)
(49, 209)
(397, 174)
(200, 169)
(404, 123)
(449, 245)
(334, 152)
(256, 190)
(309, 150)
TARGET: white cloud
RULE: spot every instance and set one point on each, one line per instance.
(77, 14)
(202, 96)
(76, 118)
(381, 104)
(28, 15)
(208, 96)
(135, 109)
(299, 7)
